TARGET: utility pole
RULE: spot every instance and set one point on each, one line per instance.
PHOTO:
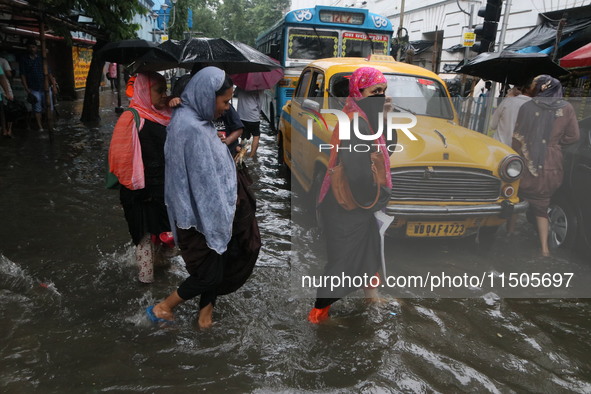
(467, 49)
(400, 25)
(492, 93)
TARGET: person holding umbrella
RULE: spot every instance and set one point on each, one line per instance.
(544, 125)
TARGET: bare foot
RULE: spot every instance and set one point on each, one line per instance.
(206, 316)
(162, 311)
(372, 296)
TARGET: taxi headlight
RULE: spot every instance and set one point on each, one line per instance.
(511, 168)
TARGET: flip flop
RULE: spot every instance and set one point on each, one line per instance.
(155, 319)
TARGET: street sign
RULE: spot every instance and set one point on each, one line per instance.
(468, 38)
(164, 37)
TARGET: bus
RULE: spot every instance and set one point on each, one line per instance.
(314, 33)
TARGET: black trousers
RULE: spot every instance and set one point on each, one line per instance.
(205, 266)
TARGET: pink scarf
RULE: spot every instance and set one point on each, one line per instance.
(142, 99)
(362, 78)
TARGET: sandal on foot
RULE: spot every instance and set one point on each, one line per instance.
(318, 315)
(155, 319)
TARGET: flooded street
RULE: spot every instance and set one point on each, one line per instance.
(73, 312)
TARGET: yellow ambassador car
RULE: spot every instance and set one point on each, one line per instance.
(448, 181)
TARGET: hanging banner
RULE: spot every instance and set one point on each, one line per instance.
(81, 58)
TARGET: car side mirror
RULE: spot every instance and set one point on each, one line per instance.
(311, 105)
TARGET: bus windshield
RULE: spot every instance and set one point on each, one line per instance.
(358, 45)
(420, 96)
(310, 44)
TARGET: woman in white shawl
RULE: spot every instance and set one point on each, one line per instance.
(200, 193)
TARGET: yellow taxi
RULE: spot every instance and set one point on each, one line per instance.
(448, 181)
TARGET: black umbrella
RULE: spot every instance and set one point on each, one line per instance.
(511, 67)
(231, 56)
(126, 52)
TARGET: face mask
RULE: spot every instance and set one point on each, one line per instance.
(372, 106)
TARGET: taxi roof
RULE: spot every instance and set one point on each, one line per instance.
(345, 64)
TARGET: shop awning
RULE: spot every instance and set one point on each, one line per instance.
(576, 32)
(577, 59)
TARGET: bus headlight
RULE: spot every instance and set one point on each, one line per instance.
(511, 168)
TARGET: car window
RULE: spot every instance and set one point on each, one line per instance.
(421, 96)
(338, 91)
(300, 92)
(316, 91)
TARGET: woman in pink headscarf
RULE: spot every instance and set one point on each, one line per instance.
(352, 236)
(136, 157)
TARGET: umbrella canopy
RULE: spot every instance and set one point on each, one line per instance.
(231, 56)
(258, 80)
(579, 58)
(156, 59)
(128, 51)
(511, 67)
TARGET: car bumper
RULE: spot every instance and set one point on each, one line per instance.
(503, 210)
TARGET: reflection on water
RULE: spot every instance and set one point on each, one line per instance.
(73, 313)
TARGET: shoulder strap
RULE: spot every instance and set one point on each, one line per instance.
(136, 116)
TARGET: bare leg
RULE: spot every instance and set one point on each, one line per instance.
(371, 294)
(206, 316)
(38, 116)
(255, 145)
(543, 230)
(164, 309)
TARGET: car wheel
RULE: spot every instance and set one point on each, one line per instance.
(563, 225)
(283, 170)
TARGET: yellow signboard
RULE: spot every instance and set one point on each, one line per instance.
(469, 38)
(81, 58)
(164, 37)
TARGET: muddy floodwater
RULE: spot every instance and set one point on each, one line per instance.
(72, 310)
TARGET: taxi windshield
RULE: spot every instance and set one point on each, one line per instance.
(418, 95)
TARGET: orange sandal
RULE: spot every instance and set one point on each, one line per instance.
(318, 315)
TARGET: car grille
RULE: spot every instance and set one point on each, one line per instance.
(444, 184)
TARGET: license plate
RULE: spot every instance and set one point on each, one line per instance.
(435, 229)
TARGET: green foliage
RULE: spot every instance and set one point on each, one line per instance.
(111, 19)
(240, 20)
(180, 25)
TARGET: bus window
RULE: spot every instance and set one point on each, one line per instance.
(358, 45)
(316, 92)
(302, 86)
(310, 44)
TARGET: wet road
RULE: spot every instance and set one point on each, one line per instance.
(73, 312)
